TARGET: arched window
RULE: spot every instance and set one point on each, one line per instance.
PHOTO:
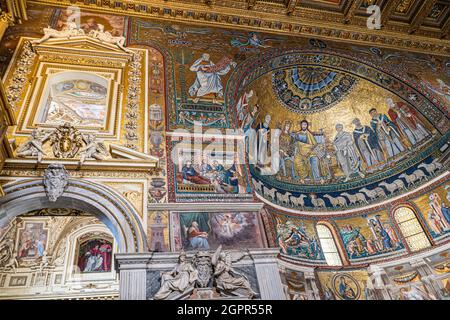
(329, 248)
(411, 229)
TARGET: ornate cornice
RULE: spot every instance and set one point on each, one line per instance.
(268, 18)
(206, 207)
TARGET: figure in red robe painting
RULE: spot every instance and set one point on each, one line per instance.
(105, 252)
(95, 256)
(406, 119)
(198, 239)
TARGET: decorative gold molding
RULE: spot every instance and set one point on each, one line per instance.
(388, 9)
(115, 165)
(445, 29)
(305, 22)
(352, 10)
(17, 9)
(421, 15)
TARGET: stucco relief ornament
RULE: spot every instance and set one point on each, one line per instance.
(8, 260)
(94, 149)
(71, 30)
(66, 141)
(56, 179)
(7, 255)
(105, 36)
(133, 95)
(33, 147)
(17, 82)
(7, 17)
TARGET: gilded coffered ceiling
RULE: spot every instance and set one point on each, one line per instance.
(412, 25)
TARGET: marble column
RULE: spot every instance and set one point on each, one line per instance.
(314, 290)
(268, 273)
(379, 286)
(132, 276)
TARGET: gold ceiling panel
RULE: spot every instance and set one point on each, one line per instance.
(341, 20)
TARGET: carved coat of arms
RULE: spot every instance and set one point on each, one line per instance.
(55, 181)
(202, 261)
(66, 141)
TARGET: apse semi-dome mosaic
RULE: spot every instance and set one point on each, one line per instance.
(351, 132)
(311, 89)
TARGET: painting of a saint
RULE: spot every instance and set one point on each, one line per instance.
(377, 237)
(287, 151)
(405, 118)
(367, 143)
(346, 153)
(294, 239)
(438, 214)
(205, 231)
(384, 236)
(347, 287)
(208, 79)
(263, 138)
(251, 143)
(195, 230)
(387, 133)
(32, 241)
(95, 255)
(339, 285)
(197, 239)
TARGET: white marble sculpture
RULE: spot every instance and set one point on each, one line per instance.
(179, 282)
(105, 36)
(33, 147)
(230, 282)
(71, 30)
(94, 149)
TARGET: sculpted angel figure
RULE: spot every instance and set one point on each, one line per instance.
(178, 282)
(106, 36)
(33, 147)
(229, 281)
(93, 149)
(71, 30)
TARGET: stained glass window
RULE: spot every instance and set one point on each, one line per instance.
(411, 229)
(328, 245)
